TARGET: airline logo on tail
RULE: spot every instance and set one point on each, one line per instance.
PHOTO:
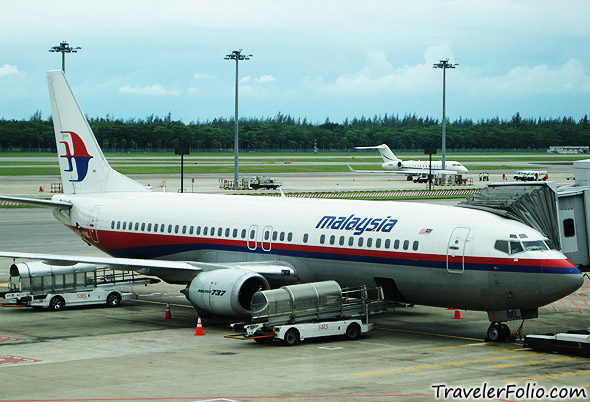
(80, 156)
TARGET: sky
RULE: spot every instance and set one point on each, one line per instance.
(312, 59)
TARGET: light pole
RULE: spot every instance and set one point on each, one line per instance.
(63, 48)
(444, 64)
(237, 56)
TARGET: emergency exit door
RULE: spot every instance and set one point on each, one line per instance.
(456, 249)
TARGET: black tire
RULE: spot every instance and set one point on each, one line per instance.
(353, 332)
(496, 333)
(291, 337)
(507, 331)
(56, 303)
(113, 299)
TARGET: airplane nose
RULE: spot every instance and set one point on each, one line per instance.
(560, 281)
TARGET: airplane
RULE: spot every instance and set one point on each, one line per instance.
(412, 168)
(223, 248)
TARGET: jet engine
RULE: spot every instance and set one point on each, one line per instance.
(226, 292)
(399, 164)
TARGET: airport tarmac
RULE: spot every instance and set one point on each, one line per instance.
(131, 353)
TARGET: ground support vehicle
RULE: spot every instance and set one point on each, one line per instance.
(531, 175)
(250, 183)
(36, 284)
(297, 312)
(574, 342)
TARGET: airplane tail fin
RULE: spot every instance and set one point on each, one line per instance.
(385, 152)
(83, 167)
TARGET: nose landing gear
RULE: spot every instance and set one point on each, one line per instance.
(500, 332)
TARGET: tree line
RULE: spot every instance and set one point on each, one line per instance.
(284, 133)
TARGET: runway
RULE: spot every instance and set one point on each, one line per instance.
(133, 353)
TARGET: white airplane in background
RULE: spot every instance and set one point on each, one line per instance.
(223, 248)
(414, 167)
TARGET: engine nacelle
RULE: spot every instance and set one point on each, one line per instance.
(399, 164)
(226, 292)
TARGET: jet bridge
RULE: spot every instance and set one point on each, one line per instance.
(533, 204)
(562, 214)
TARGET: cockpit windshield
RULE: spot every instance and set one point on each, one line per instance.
(516, 246)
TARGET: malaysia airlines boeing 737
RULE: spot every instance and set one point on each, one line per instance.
(224, 248)
(414, 167)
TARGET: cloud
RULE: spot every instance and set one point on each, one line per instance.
(266, 78)
(150, 90)
(8, 69)
(199, 76)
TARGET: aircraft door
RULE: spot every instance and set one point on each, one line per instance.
(92, 224)
(267, 238)
(252, 233)
(456, 249)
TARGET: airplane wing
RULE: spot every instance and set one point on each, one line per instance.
(37, 202)
(170, 271)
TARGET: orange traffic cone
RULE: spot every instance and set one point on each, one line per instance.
(457, 315)
(199, 331)
(168, 314)
(40, 189)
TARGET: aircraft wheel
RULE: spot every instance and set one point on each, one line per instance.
(291, 337)
(113, 299)
(506, 330)
(353, 332)
(56, 303)
(496, 333)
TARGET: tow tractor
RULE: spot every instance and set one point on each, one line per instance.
(297, 312)
(574, 342)
(36, 284)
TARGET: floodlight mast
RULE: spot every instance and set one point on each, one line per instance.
(444, 64)
(237, 56)
(63, 48)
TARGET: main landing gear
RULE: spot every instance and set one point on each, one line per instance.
(500, 332)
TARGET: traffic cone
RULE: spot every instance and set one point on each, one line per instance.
(40, 189)
(457, 315)
(199, 331)
(168, 314)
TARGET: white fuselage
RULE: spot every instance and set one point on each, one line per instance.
(426, 254)
(414, 166)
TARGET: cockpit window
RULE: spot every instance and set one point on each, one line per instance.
(534, 245)
(502, 245)
(515, 247)
(523, 236)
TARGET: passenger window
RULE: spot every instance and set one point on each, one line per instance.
(369, 242)
(415, 245)
(282, 236)
(569, 229)
(149, 228)
(118, 224)
(252, 234)
(198, 230)
(219, 232)
(212, 231)
(387, 243)
(142, 226)
(515, 247)
(378, 243)
(124, 225)
(274, 235)
(341, 241)
(205, 231)
(305, 237)
(191, 229)
(227, 232)
(322, 239)
(136, 225)
(396, 244)
(235, 233)
(112, 224)
(361, 241)
(266, 235)
(243, 233)
(130, 225)
(502, 245)
(169, 228)
(289, 236)
(176, 229)
(351, 241)
(183, 229)
(406, 244)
